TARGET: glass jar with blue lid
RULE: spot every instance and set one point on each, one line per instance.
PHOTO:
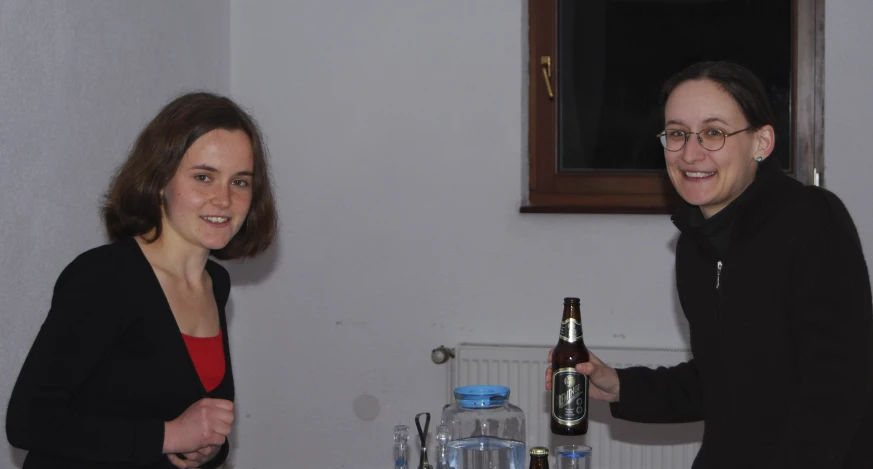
(486, 430)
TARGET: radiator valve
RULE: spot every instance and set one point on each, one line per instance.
(442, 354)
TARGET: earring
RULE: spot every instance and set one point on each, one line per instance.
(759, 159)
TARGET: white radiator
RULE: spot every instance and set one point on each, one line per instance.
(615, 444)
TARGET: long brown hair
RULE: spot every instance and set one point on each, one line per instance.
(132, 204)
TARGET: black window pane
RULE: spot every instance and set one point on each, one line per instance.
(614, 56)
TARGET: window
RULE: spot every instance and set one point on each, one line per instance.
(596, 70)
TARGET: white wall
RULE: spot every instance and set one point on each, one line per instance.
(849, 110)
(79, 80)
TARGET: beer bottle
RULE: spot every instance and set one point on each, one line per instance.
(539, 458)
(569, 388)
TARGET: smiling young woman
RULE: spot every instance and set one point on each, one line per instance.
(132, 365)
(772, 279)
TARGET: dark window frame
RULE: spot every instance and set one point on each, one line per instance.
(553, 191)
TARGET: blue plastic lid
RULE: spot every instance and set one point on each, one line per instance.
(481, 396)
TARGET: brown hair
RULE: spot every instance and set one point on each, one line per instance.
(739, 82)
(132, 204)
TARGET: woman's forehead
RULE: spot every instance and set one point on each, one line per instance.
(701, 102)
(220, 147)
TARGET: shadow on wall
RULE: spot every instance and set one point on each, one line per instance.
(17, 456)
(229, 463)
(248, 272)
(229, 311)
(253, 271)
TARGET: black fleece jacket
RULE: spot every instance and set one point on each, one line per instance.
(777, 296)
(108, 368)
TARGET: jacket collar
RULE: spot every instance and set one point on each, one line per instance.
(752, 208)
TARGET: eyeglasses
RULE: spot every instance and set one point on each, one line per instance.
(710, 138)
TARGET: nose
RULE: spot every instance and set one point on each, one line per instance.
(693, 150)
(221, 196)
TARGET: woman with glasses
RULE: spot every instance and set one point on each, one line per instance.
(773, 282)
(131, 368)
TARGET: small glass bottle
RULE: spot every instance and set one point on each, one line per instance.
(443, 435)
(401, 447)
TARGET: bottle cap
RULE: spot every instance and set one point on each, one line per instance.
(539, 451)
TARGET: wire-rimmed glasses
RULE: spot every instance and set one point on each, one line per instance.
(710, 138)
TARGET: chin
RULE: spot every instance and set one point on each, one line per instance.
(214, 245)
(696, 199)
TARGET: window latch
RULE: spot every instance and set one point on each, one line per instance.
(546, 64)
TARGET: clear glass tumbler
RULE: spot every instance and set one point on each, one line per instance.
(573, 457)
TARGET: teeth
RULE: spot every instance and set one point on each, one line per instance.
(698, 174)
(216, 219)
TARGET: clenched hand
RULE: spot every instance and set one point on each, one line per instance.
(205, 423)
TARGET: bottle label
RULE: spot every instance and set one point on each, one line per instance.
(571, 330)
(569, 396)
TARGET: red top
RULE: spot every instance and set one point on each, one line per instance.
(207, 353)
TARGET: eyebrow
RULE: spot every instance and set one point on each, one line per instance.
(205, 167)
(708, 120)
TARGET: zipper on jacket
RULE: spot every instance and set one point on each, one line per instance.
(719, 306)
(718, 275)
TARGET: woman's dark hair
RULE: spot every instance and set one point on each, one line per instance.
(739, 82)
(132, 204)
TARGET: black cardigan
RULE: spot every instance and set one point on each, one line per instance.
(782, 336)
(108, 367)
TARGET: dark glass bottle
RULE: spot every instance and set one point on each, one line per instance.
(539, 458)
(569, 407)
